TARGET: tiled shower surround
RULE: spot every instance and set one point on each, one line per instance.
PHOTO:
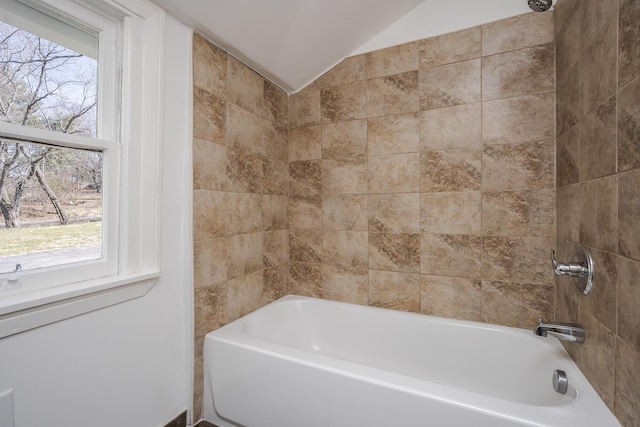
(598, 180)
(423, 177)
(241, 251)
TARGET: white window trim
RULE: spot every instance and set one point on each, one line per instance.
(138, 209)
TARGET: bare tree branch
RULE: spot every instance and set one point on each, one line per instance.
(37, 90)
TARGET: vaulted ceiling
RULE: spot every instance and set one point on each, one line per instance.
(292, 42)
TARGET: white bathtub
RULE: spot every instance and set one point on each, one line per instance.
(305, 362)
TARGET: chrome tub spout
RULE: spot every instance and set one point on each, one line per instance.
(563, 331)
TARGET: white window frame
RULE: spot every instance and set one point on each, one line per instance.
(130, 69)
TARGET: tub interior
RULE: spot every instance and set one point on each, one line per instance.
(505, 363)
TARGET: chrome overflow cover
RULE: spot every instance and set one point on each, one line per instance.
(560, 381)
(581, 269)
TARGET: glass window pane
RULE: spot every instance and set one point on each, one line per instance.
(46, 85)
(51, 205)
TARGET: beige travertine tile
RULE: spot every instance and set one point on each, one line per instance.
(392, 60)
(209, 215)
(198, 349)
(342, 103)
(275, 248)
(604, 299)
(451, 170)
(275, 179)
(344, 212)
(628, 213)
(275, 143)
(394, 251)
(305, 143)
(209, 67)
(627, 388)
(305, 177)
(520, 119)
(209, 115)
(519, 72)
(393, 134)
(198, 388)
(451, 212)
(628, 47)
(397, 94)
(304, 109)
(275, 283)
(340, 284)
(346, 249)
(598, 69)
(449, 85)
(452, 297)
(567, 45)
(568, 102)
(596, 357)
(276, 103)
(516, 304)
(244, 254)
(245, 130)
(244, 295)
(305, 212)
(452, 127)
(628, 128)
(394, 213)
(593, 18)
(209, 262)
(519, 213)
(210, 310)
(521, 259)
(210, 164)
(599, 213)
(598, 142)
(398, 291)
(306, 279)
(240, 152)
(344, 176)
(568, 157)
(245, 88)
(244, 171)
(566, 309)
(344, 139)
(516, 167)
(568, 211)
(563, 10)
(451, 255)
(306, 246)
(452, 47)
(349, 70)
(243, 213)
(394, 173)
(629, 302)
(526, 30)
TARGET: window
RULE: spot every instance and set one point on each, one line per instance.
(79, 138)
(50, 194)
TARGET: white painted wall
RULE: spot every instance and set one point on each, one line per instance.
(436, 17)
(129, 364)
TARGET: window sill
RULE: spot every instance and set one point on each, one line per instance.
(27, 311)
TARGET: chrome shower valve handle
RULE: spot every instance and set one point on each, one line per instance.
(581, 268)
(571, 269)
